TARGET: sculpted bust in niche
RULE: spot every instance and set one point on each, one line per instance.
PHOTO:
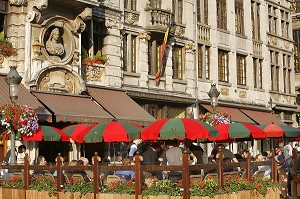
(54, 45)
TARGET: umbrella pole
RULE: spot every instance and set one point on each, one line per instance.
(114, 153)
(83, 148)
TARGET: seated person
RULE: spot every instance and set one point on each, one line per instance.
(81, 172)
(41, 162)
(128, 175)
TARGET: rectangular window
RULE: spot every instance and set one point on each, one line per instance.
(272, 19)
(241, 69)
(223, 65)
(203, 62)
(154, 56)
(296, 37)
(274, 70)
(129, 53)
(93, 36)
(287, 73)
(178, 62)
(239, 17)
(221, 14)
(257, 73)
(130, 4)
(202, 11)
(156, 3)
(285, 24)
(178, 10)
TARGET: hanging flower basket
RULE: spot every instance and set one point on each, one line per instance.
(20, 118)
(215, 118)
(6, 47)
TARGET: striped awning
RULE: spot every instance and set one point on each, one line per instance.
(262, 117)
(73, 108)
(120, 105)
(25, 98)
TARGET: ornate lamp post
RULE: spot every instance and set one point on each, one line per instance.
(213, 95)
(13, 79)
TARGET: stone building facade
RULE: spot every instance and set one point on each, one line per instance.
(245, 47)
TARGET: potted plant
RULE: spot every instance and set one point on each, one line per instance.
(162, 188)
(6, 47)
(22, 118)
(13, 188)
(123, 189)
(97, 59)
(42, 188)
(77, 190)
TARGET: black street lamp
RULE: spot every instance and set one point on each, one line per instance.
(213, 95)
(13, 79)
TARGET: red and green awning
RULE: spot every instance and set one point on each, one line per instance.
(279, 130)
(48, 133)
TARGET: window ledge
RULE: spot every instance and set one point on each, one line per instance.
(131, 74)
(223, 31)
(243, 87)
(179, 81)
(259, 89)
(152, 77)
(224, 83)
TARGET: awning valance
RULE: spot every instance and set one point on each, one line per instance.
(120, 105)
(262, 117)
(73, 108)
(25, 98)
(236, 114)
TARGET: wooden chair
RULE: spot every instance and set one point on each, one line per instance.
(38, 176)
(112, 178)
(67, 177)
(213, 175)
(259, 174)
(196, 178)
(77, 177)
(49, 176)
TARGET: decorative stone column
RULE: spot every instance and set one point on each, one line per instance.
(190, 71)
(143, 60)
(113, 42)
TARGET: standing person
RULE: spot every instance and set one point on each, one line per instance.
(174, 157)
(285, 161)
(151, 158)
(20, 151)
(134, 147)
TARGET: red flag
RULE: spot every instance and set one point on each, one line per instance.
(163, 49)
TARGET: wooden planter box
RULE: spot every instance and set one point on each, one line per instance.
(114, 196)
(34, 194)
(161, 197)
(76, 195)
(12, 193)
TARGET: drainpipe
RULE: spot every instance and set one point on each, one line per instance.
(195, 106)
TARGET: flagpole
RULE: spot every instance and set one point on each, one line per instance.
(163, 49)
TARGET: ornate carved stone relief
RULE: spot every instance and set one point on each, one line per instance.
(18, 2)
(224, 91)
(242, 94)
(59, 80)
(92, 73)
(78, 23)
(113, 24)
(144, 36)
(131, 18)
(34, 10)
(178, 30)
(190, 48)
(58, 41)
